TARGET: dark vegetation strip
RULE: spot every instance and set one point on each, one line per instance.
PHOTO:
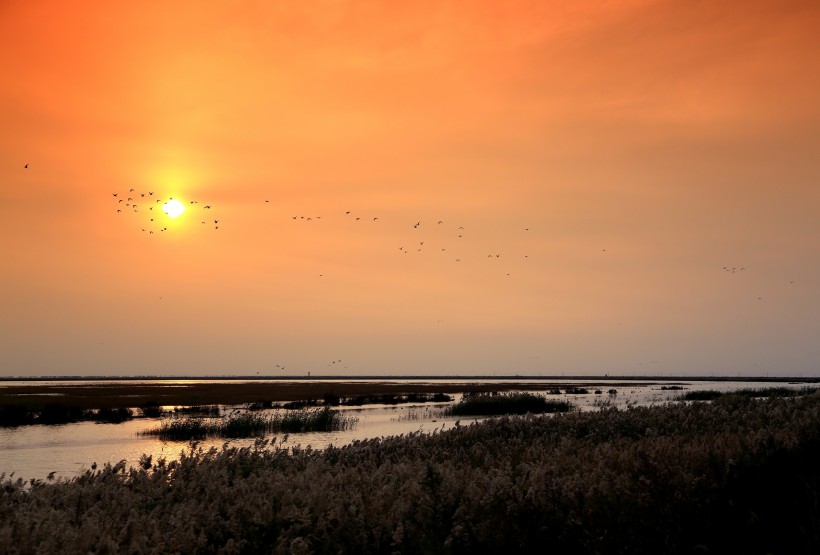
(492, 404)
(333, 400)
(115, 395)
(729, 477)
(15, 415)
(711, 394)
(252, 424)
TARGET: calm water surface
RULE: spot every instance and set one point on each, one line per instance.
(70, 449)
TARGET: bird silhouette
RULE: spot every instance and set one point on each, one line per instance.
(26, 166)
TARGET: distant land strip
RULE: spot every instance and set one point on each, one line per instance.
(205, 391)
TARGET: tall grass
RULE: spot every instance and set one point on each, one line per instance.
(711, 394)
(676, 478)
(492, 404)
(198, 410)
(252, 424)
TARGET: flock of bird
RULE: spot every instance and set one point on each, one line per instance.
(140, 202)
(145, 203)
(417, 241)
(150, 209)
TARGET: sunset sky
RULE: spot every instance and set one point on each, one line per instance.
(594, 166)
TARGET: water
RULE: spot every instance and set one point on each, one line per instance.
(68, 450)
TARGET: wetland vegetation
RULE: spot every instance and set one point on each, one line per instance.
(711, 394)
(249, 424)
(494, 404)
(736, 476)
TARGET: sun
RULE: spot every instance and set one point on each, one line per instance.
(173, 208)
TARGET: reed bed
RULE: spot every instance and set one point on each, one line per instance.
(733, 477)
(199, 410)
(52, 414)
(250, 424)
(711, 394)
(493, 404)
(394, 399)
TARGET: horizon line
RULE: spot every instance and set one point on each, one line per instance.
(437, 377)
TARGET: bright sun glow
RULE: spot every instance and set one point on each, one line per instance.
(173, 208)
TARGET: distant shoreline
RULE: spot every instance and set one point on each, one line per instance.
(437, 378)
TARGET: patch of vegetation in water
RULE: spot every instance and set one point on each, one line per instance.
(151, 409)
(112, 416)
(765, 392)
(55, 414)
(394, 399)
(493, 404)
(198, 410)
(250, 424)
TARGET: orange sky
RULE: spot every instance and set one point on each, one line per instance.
(615, 155)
